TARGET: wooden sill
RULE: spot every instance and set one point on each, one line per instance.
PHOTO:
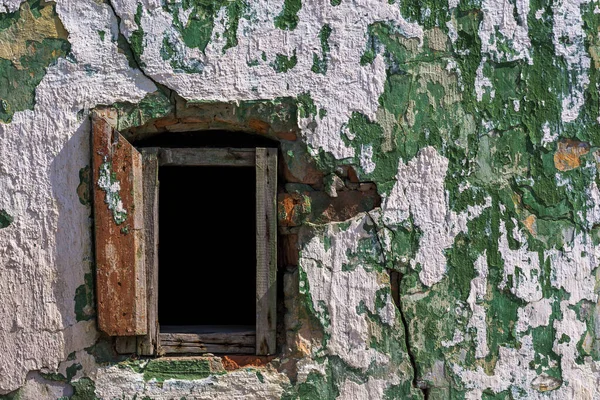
(216, 339)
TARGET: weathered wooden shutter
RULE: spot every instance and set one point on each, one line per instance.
(119, 232)
(266, 250)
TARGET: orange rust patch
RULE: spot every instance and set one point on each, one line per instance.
(259, 126)
(287, 204)
(287, 135)
(233, 362)
(567, 155)
(529, 223)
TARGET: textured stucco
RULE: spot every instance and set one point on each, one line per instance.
(477, 120)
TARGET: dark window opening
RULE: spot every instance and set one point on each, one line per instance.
(207, 246)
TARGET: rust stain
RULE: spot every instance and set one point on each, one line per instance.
(567, 155)
(259, 126)
(291, 136)
(292, 208)
(287, 203)
(233, 362)
(529, 223)
(120, 293)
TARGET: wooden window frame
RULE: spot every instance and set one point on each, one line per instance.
(140, 332)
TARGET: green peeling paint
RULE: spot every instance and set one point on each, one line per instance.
(31, 40)
(137, 37)
(284, 63)
(197, 31)
(5, 219)
(84, 299)
(320, 63)
(288, 18)
(84, 389)
(191, 369)
(153, 106)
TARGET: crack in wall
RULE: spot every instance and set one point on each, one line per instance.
(395, 284)
(135, 57)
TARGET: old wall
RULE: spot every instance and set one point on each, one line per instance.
(477, 120)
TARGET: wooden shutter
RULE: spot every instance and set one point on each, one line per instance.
(118, 229)
(266, 250)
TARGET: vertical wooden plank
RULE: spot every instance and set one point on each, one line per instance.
(266, 250)
(118, 232)
(147, 344)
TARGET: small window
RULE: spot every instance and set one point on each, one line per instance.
(185, 246)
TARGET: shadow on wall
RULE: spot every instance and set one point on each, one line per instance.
(74, 284)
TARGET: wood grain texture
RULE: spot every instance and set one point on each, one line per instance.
(204, 157)
(147, 344)
(119, 244)
(235, 341)
(266, 250)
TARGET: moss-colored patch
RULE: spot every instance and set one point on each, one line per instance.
(288, 18)
(320, 63)
(84, 299)
(197, 30)
(5, 219)
(137, 37)
(153, 106)
(284, 63)
(84, 389)
(32, 39)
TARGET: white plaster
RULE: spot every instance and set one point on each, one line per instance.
(476, 297)
(481, 82)
(573, 266)
(499, 25)
(516, 105)
(9, 5)
(122, 383)
(45, 252)
(226, 76)
(452, 33)
(340, 293)
(419, 191)
(457, 338)
(525, 281)
(572, 270)
(366, 159)
(38, 388)
(568, 39)
(373, 389)
(548, 137)
(592, 216)
(534, 314)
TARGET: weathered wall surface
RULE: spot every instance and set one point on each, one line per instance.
(477, 120)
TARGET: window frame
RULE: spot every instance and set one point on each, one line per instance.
(141, 333)
(263, 340)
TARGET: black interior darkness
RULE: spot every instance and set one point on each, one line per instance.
(207, 246)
